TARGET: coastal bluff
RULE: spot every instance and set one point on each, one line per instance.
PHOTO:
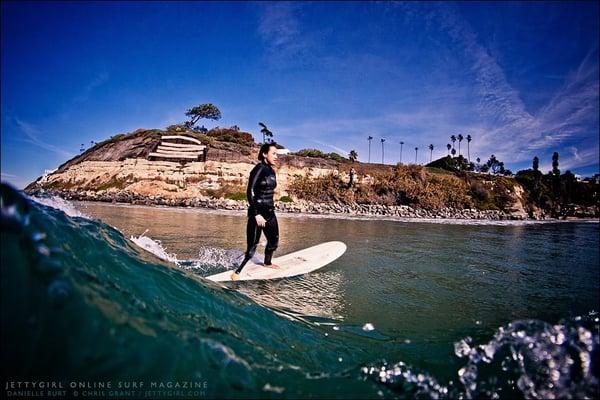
(123, 164)
(121, 169)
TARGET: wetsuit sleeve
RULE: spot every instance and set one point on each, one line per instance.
(255, 176)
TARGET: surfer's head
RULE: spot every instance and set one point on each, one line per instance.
(268, 153)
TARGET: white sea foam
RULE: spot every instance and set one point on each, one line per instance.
(212, 258)
(60, 204)
(154, 246)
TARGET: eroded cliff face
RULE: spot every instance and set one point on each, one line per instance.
(172, 179)
(121, 164)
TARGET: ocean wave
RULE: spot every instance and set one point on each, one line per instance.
(58, 203)
(80, 301)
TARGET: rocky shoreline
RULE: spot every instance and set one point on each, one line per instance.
(303, 207)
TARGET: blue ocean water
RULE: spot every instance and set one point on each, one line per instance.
(413, 309)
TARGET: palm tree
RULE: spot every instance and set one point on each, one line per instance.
(265, 131)
(448, 146)
(555, 170)
(430, 152)
(353, 156)
(460, 139)
(401, 144)
(416, 150)
(369, 139)
(382, 140)
(469, 138)
(453, 139)
(536, 163)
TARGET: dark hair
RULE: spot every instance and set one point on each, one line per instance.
(265, 149)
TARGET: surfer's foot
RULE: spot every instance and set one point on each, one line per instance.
(235, 276)
(274, 266)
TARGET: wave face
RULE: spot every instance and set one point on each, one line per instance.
(80, 301)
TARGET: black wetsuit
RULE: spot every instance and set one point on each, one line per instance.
(261, 186)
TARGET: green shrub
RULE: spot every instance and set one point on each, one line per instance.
(452, 164)
(236, 196)
(403, 185)
(310, 153)
(227, 191)
(482, 197)
(177, 128)
(315, 153)
(286, 199)
(114, 182)
(336, 157)
(231, 135)
(215, 194)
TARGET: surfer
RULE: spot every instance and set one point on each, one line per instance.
(261, 210)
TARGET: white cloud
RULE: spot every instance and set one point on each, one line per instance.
(496, 116)
(510, 131)
(337, 149)
(278, 24)
(575, 158)
(415, 129)
(280, 29)
(97, 81)
(73, 104)
(575, 152)
(32, 134)
(575, 105)
(14, 180)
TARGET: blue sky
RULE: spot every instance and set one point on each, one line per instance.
(521, 78)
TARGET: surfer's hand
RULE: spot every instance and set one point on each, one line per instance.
(260, 221)
(235, 276)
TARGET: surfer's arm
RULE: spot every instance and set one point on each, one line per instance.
(255, 176)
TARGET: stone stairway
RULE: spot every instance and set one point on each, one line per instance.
(179, 148)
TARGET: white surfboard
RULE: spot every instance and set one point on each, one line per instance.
(296, 263)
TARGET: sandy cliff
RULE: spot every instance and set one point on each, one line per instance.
(121, 166)
(170, 179)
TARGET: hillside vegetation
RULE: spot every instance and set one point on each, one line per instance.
(436, 188)
(411, 185)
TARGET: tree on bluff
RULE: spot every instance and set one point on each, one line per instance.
(267, 134)
(353, 156)
(203, 111)
(495, 166)
(555, 170)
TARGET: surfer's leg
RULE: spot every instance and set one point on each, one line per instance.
(272, 234)
(252, 237)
